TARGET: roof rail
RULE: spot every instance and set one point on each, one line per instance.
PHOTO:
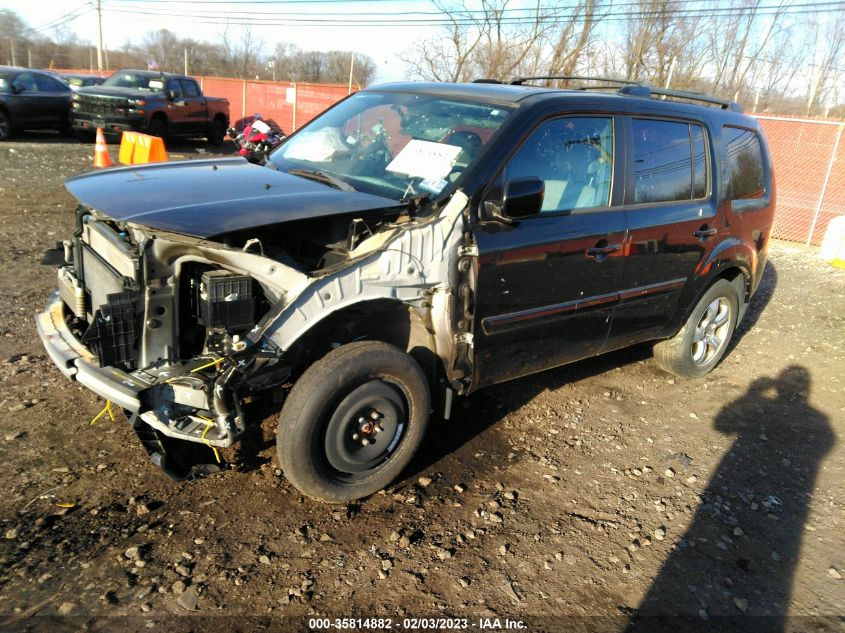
(518, 81)
(635, 89)
(486, 81)
(647, 91)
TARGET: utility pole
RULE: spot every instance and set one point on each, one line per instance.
(100, 29)
(186, 61)
(28, 58)
(12, 46)
(351, 68)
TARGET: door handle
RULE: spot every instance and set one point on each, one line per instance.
(703, 233)
(605, 249)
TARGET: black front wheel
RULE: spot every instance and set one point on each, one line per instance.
(5, 125)
(158, 127)
(353, 421)
(217, 132)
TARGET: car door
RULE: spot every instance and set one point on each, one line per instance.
(672, 220)
(547, 285)
(25, 105)
(55, 99)
(196, 108)
(177, 109)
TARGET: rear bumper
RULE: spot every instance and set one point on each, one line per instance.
(83, 121)
(77, 362)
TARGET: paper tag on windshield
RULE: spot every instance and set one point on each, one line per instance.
(425, 159)
(434, 185)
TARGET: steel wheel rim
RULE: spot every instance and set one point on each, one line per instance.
(712, 332)
(366, 428)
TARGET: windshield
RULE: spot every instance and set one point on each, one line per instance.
(139, 81)
(393, 144)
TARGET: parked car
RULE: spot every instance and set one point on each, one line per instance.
(157, 103)
(76, 81)
(32, 99)
(415, 242)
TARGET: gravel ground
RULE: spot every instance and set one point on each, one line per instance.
(571, 499)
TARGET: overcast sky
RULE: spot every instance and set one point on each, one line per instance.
(381, 43)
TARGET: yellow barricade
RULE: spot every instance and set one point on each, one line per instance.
(138, 149)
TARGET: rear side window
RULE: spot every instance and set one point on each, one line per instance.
(670, 161)
(745, 162)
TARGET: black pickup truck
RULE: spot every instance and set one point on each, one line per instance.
(157, 103)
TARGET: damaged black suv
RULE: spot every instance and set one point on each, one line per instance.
(412, 243)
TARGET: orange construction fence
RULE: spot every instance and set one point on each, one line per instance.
(290, 105)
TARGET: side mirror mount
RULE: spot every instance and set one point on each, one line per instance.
(522, 198)
(16, 90)
(171, 95)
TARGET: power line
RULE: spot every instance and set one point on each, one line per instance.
(67, 18)
(129, 5)
(348, 18)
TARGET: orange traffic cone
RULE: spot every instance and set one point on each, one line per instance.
(101, 151)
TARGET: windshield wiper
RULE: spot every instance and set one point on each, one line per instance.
(321, 176)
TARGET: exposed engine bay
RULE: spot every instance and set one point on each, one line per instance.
(187, 329)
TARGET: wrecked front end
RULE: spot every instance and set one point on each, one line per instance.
(158, 324)
(181, 332)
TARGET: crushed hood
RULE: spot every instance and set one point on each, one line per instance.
(209, 198)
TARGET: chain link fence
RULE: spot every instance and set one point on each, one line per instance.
(809, 161)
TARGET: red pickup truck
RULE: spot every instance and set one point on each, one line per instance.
(161, 104)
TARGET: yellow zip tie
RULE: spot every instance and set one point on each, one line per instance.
(106, 409)
(206, 366)
(208, 424)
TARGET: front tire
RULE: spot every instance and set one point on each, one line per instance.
(216, 133)
(158, 127)
(5, 125)
(353, 421)
(699, 346)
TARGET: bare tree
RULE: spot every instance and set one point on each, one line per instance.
(448, 58)
(827, 69)
(498, 41)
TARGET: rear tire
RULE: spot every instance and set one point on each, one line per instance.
(699, 346)
(6, 129)
(353, 421)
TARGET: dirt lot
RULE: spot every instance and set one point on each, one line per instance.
(592, 490)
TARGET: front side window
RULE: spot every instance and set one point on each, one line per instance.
(174, 89)
(670, 161)
(392, 144)
(745, 161)
(573, 156)
(189, 88)
(48, 84)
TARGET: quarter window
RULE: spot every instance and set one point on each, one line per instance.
(574, 158)
(670, 161)
(745, 161)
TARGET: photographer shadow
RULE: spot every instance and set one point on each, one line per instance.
(733, 569)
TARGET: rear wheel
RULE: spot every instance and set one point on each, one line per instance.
(5, 125)
(353, 421)
(701, 343)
